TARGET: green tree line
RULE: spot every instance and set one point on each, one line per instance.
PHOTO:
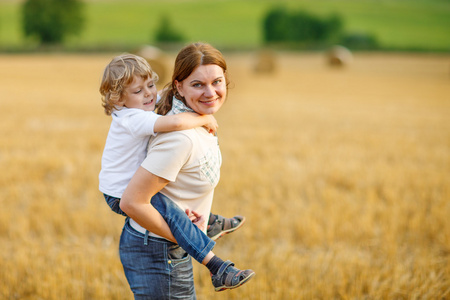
(53, 21)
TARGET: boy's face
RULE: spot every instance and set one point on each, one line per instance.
(140, 94)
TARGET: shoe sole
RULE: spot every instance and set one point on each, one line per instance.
(224, 232)
(223, 288)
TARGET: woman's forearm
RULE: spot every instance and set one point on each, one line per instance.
(135, 203)
(149, 218)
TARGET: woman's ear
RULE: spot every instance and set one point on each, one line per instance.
(179, 87)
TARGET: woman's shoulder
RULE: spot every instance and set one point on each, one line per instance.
(174, 137)
(188, 133)
(187, 137)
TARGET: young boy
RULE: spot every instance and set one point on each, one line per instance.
(129, 95)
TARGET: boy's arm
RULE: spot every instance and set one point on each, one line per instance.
(183, 121)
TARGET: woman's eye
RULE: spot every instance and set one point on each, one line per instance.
(218, 81)
(197, 85)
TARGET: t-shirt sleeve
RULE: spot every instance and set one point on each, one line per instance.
(142, 124)
(167, 154)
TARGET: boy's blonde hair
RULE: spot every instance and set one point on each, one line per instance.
(118, 74)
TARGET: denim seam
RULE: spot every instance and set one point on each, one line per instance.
(166, 251)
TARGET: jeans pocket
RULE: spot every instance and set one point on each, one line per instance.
(177, 255)
(181, 274)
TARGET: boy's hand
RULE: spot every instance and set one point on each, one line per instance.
(211, 124)
(197, 219)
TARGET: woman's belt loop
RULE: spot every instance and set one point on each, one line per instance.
(146, 238)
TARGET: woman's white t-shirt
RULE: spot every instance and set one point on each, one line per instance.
(190, 160)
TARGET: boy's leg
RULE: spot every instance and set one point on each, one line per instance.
(198, 245)
(218, 226)
(188, 235)
(113, 203)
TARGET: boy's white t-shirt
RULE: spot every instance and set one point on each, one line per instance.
(125, 148)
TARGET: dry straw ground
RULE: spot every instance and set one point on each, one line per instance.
(343, 175)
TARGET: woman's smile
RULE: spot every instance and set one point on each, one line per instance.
(211, 102)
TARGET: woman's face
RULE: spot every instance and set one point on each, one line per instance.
(205, 89)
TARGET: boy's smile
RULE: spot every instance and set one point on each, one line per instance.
(140, 93)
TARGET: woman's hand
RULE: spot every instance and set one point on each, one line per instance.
(197, 219)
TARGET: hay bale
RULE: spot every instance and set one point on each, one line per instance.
(339, 56)
(265, 62)
(157, 60)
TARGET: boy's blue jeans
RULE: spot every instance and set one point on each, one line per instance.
(113, 203)
(188, 236)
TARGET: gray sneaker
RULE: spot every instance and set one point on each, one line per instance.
(218, 226)
(228, 277)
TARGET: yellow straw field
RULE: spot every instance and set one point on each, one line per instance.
(343, 175)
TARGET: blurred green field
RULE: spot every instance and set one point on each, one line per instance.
(397, 24)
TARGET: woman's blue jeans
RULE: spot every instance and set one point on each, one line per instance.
(159, 269)
(155, 268)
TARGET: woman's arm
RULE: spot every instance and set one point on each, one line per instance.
(135, 202)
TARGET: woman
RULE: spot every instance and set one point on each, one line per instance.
(185, 167)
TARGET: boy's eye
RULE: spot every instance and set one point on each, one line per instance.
(138, 91)
(217, 81)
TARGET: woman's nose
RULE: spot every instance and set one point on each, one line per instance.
(210, 91)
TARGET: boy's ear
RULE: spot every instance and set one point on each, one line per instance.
(120, 102)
